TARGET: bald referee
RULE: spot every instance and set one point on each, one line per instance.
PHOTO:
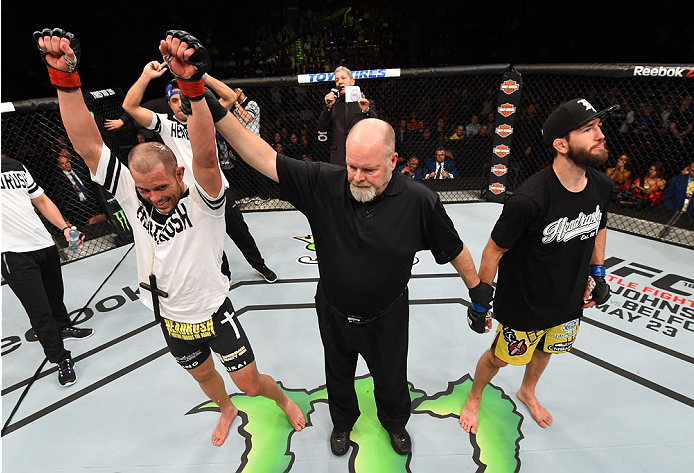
(365, 244)
(549, 248)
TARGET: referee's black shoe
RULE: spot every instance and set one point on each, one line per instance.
(76, 333)
(267, 274)
(401, 442)
(339, 442)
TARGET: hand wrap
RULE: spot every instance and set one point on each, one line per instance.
(601, 291)
(477, 320)
(63, 80)
(481, 297)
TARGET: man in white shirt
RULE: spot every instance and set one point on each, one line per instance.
(178, 228)
(174, 133)
(31, 265)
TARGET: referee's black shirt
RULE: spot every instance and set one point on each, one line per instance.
(365, 250)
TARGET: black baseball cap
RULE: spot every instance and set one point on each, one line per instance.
(570, 116)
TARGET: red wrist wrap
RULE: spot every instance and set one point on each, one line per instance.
(193, 90)
(64, 80)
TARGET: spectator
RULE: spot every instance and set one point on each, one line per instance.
(293, 148)
(491, 123)
(620, 174)
(74, 192)
(644, 126)
(304, 147)
(411, 169)
(459, 133)
(678, 193)
(414, 122)
(440, 133)
(681, 122)
(426, 144)
(440, 167)
(473, 127)
(338, 116)
(650, 188)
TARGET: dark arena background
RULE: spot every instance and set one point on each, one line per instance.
(431, 68)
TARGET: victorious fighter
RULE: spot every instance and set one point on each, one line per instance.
(548, 241)
(178, 229)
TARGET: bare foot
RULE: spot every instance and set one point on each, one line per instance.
(539, 413)
(469, 415)
(220, 433)
(293, 413)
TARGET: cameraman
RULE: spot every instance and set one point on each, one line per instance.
(339, 116)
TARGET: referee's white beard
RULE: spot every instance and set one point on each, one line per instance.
(363, 194)
(367, 194)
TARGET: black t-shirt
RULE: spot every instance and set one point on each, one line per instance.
(550, 233)
(365, 250)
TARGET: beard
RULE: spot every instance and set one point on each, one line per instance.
(362, 194)
(587, 157)
(367, 194)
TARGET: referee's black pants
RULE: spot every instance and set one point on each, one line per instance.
(238, 231)
(37, 281)
(383, 344)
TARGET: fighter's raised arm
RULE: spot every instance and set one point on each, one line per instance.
(60, 51)
(133, 98)
(188, 60)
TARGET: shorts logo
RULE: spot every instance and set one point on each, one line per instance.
(569, 326)
(562, 346)
(187, 358)
(515, 347)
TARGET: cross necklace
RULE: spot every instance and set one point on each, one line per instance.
(152, 286)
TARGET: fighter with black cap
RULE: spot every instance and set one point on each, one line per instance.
(549, 247)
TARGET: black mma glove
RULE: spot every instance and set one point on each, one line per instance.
(216, 109)
(63, 80)
(481, 297)
(192, 87)
(601, 291)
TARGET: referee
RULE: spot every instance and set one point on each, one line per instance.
(365, 243)
(31, 265)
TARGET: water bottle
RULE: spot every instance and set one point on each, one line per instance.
(73, 238)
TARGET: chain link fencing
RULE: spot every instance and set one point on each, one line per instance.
(486, 119)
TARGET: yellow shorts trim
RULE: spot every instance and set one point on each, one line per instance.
(516, 347)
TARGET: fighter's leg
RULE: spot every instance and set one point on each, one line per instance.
(236, 354)
(526, 393)
(253, 383)
(212, 384)
(487, 367)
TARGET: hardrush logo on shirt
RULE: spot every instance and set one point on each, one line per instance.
(176, 222)
(563, 229)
